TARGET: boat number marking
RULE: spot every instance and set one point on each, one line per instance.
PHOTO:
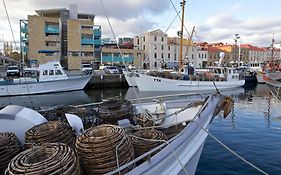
(158, 80)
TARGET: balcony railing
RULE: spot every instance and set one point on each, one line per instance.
(24, 29)
(117, 59)
(49, 29)
(91, 41)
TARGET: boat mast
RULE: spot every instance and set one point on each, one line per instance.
(272, 51)
(181, 33)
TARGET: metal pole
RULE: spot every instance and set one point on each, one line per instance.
(181, 37)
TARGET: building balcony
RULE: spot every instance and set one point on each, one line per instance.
(91, 41)
(24, 29)
(24, 39)
(49, 29)
(117, 59)
(97, 33)
(25, 49)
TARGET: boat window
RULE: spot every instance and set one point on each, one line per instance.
(56, 64)
(45, 72)
(51, 72)
(58, 72)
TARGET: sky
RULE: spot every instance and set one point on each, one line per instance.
(256, 21)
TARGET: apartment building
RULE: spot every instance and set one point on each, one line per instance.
(61, 34)
(160, 49)
(256, 54)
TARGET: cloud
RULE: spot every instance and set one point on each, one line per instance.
(127, 17)
(223, 26)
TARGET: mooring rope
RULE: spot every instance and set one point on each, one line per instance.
(231, 151)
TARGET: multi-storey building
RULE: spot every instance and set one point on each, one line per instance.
(203, 55)
(256, 54)
(160, 49)
(61, 34)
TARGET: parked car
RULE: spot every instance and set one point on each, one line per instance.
(13, 71)
(111, 70)
(86, 69)
(121, 68)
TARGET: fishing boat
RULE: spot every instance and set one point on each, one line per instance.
(274, 86)
(215, 77)
(187, 78)
(179, 154)
(46, 78)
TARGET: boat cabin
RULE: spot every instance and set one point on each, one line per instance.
(47, 72)
(227, 73)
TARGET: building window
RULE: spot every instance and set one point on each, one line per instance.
(138, 41)
(155, 55)
(162, 39)
(199, 55)
(144, 47)
(192, 56)
(49, 54)
(155, 38)
(162, 47)
(144, 38)
(169, 55)
(169, 47)
(162, 55)
(155, 64)
(175, 57)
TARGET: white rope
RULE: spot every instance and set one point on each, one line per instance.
(231, 151)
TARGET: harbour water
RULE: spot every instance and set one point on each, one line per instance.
(253, 129)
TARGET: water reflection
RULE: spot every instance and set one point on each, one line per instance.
(47, 100)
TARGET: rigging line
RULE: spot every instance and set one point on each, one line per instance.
(10, 23)
(179, 17)
(163, 35)
(112, 31)
(230, 150)
(119, 50)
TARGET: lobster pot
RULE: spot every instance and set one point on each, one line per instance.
(113, 110)
(142, 144)
(50, 158)
(50, 132)
(97, 148)
(9, 147)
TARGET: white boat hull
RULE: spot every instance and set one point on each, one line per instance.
(130, 79)
(181, 156)
(69, 84)
(150, 83)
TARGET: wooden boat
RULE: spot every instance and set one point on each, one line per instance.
(48, 77)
